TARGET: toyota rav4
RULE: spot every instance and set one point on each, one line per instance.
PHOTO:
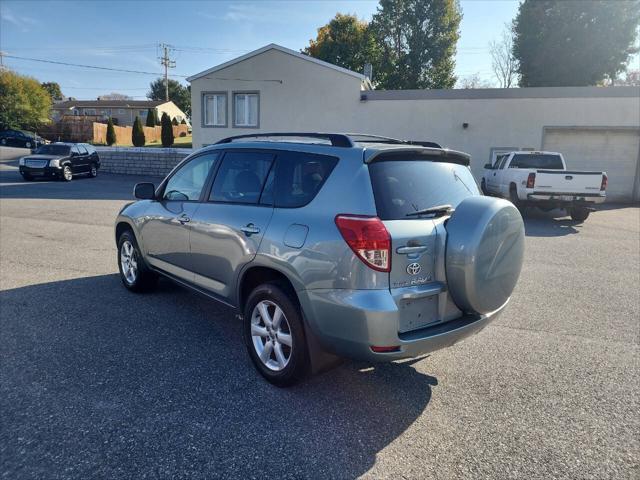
(328, 245)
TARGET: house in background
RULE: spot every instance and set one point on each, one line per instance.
(123, 112)
(277, 89)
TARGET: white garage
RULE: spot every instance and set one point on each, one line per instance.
(612, 149)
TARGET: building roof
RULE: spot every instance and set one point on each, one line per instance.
(68, 104)
(273, 46)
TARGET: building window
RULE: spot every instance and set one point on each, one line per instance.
(105, 111)
(246, 109)
(215, 109)
(89, 111)
(121, 111)
(142, 113)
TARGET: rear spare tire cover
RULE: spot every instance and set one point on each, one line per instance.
(484, 253)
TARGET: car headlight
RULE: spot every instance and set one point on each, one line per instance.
(54, 163)
(21, 162)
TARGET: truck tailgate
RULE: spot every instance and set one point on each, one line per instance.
(567, 181)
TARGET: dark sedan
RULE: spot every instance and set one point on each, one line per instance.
(60, 160)
(18, 138)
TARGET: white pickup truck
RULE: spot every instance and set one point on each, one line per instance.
(541, 179)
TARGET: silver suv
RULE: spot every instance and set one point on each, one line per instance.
(328, 245)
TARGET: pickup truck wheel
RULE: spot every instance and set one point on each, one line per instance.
(513, 197)
(484, 253)
(274, 335)
(483, 187)
(134, 273)
(579, 214)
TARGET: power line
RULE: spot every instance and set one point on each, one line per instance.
(167, 63)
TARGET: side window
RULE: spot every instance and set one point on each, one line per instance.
(299, 177)
(74, 149)
(82, 150)
(90, 149)
(503, 161)
(241, 177)
(186, 183)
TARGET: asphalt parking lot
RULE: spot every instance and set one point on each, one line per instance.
(96, 382)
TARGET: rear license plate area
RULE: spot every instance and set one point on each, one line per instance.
(417, 313)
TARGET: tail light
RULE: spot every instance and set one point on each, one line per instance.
(531, 180)
(368, 238)
(605, 182)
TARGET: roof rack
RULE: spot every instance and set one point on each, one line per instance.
(336, 139)
(345, 140)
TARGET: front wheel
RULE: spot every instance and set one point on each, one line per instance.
(133, 272)
(274, 335)
(3, 141)
(483, 187)
(27, 144)
(67, 174)
(93, 171)
(579, 214)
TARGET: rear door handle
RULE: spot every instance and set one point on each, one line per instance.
(250, 229)
(407, 250)
(184, 218)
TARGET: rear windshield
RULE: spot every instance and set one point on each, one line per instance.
(53, 150)
(404, 186)
(550, 162)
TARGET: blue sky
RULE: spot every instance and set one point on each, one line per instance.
(124, 35)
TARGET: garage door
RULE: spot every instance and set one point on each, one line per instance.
(612, 150)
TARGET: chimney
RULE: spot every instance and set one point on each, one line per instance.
(368, 71)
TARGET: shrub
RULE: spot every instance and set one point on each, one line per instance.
(151, 117)
(137, 134)
(166, 135)
(111, 133)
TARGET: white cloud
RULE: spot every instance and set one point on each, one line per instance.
(21, 21)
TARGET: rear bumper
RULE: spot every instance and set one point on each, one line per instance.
(350, 322)
(566, 199)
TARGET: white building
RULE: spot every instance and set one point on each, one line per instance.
(276, 89)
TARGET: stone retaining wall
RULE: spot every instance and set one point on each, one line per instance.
(140, 161)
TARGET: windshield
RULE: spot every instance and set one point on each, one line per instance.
(404, 186)
(550, 162)
(53, 150)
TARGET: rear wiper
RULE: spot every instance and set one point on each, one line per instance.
(438, 211)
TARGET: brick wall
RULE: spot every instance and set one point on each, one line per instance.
(140, 161)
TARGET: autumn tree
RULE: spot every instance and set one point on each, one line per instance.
(24, 103)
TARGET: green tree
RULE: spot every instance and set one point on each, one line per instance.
(345, 41)
(166, 135)
(178, 94)
(574, 43)
(23, 102)
(53, 89)
(137, 134)
(111, 133)
(151, 117)
(418, 41)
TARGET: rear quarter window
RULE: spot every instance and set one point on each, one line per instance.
(404, 186)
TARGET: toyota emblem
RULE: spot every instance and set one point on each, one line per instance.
(413, 268)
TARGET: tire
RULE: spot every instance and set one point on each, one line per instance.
(67, 174)
(513, 198)
(134, 273)
(3, 141)
(264, 340)
(93, 171)
(579, 214)
(27, 177)
(483, 188)
(27, 144)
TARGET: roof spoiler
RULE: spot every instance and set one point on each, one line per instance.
(418, 153)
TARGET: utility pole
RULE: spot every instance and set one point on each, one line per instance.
(167, 63)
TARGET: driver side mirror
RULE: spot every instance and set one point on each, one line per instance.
(144, 191)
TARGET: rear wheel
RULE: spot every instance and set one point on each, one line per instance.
(274, 335)
(67, 174)
(133, 272)
(3, 141)
(513, 197)
(28, 144)
(579, 214)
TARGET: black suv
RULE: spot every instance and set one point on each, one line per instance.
(18, 138)
(60, 160)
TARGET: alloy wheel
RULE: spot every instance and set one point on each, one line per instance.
(271, 335)
(129, 262)
(66, 172)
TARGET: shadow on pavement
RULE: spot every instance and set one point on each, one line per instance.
(555, 223)
(100, 382)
